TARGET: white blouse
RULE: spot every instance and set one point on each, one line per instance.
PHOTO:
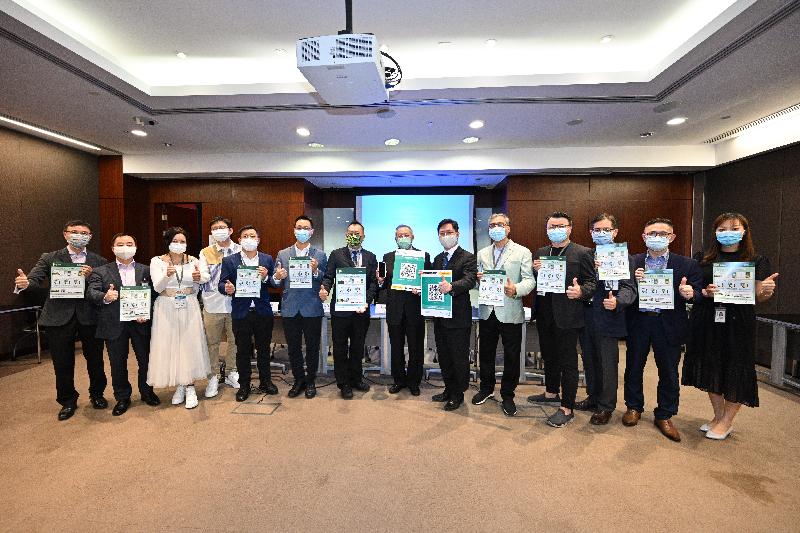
(161, 282)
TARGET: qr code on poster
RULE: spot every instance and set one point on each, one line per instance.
(434, 294)
(408, 271)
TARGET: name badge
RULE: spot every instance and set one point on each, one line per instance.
(180, 301)
(719, 314)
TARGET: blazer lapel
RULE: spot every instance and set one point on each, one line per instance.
(503, 255)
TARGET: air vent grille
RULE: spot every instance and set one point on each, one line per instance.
(349, 47)
(743, 127)
(309, 50)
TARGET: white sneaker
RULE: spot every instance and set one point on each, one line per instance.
(213, 387)
(232, 379)
(191, 397)
(180, 395)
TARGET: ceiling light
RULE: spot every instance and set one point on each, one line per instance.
(303, 132)
(646, 134)
(316, 145)
(48, 133)
(491, 42)
(470, 140)
(676, 121)
(476, 124)
(605, 39)
(280, 51)
(139, 133)
(168, 145)
(724, 117)
(391, 142)
(181, 55)
(384, 48)
(445, 43)
(575, 122)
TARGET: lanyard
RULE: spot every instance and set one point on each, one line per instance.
(179, 277)
(560, 253)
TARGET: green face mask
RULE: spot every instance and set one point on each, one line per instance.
(404, 243)
(353, 240)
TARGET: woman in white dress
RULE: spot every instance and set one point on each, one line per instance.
(178, 350)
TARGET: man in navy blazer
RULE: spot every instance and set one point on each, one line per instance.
(663, 329)
(251, 317)
(301, 308)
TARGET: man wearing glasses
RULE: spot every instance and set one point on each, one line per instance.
(559, 318)
(663, 329)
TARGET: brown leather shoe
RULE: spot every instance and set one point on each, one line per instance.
(631, 417)
(668, 429)
(600, 418)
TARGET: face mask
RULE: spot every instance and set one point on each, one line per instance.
(354, 241)
(220, 235)
(302, 235)
(657, 244)
(602, 237)
(448, 241)
(124, 252)
(729, 238)
(497, 233)
(79, 241)
(557, 234)
(404, 243)
(177, 247)
(249, 244)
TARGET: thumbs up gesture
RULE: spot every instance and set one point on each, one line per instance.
(768, 285)
(111, 294)
(21, 281)
(610, 303)
(229, 288)
(510, 289)
(196, 273)
(574, 291)
(280, 272)
(445, 286)
(687, 291)
(323, 294)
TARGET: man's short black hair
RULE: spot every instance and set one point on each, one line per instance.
(558, 214)
(77, 222)
(447, 221)
(660, 220)
(604, 216)
(247, 227)
(123, 234)
(303, 217)
(227, 221)
(170, 233)
(356, 223)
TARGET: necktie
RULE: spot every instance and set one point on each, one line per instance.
(355, 257)
(446, 260)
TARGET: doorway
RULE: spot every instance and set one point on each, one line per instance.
(188, 216)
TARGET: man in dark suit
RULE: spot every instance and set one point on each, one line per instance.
(559, 318)
(251, 316)
(452, 334)
(349, 328)
(103, 291)
(404, 320)
(663, 329)
(63, 318)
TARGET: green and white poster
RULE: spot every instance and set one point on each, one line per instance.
(351, 288)
(66, 281)
(434, 302)
(407, 267)
(736, 282)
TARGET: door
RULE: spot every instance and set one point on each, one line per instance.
(185, 215)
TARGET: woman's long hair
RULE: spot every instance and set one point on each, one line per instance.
(746, 250)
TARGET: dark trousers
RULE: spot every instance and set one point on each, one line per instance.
(118, 359)
(296, 328)
(258, 327)
(452, 350)
(602, 353)
(62, 349)
(650, 332)
(414, 331)
(491, 330)
(560, 356)
(349, 334)
(588, 357)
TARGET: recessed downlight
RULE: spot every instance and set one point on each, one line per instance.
(316, 145)
(391, 142)
(575, 122)
(139, 133)
(470, 140)
(180, 55)
(676, 121)
(445, 44)
(280, 51)
(476, 124)
(490, 42)
(646, 134)
(303, 132)
(605, 39)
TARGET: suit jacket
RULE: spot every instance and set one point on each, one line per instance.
(675, 321)
(400, 302)
(108, 323)
(612, 323)
(341, 258)
(568, 314)
(517, 261)
(296, 300)
(241, 306)
(59, 311)
(465, 275)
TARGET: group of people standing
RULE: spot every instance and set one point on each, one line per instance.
(181, 344)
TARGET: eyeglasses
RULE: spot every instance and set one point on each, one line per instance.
(215, 228)
(446, 233)
(84, 233)
(604, 230)
(558, 226)
(658, 234)
(497, 225)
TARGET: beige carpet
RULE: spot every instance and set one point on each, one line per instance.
(385, 463)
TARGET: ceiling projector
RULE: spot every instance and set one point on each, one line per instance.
(345, 69)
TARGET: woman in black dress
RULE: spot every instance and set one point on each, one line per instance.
(720, 356)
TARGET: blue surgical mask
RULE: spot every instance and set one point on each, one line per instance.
(729, 238)
(602, 237)
(498, 233)
(404, 243)
(557, 234)
(302, 235)
(657, 244)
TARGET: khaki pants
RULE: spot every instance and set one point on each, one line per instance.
(216, 324)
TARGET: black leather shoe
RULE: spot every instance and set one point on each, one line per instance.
(297, 388)
(151, 399)
(99, 402)
(66, 412)
(509, 407)
(311, 390)
(361, 386)
(586, 405)
(414, 390)
(121, 407)
(346, 392)
(394, 389)
(242, 394)
(452, 405)
(268, 387)
(441, 397)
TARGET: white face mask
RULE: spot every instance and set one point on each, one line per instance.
(124, 252)
(249, 244)
(177, 247)
(221, 235)
(448, 241)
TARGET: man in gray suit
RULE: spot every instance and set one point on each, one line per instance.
(301, 308)
(503, 321)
